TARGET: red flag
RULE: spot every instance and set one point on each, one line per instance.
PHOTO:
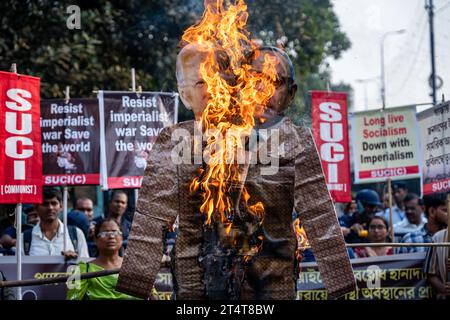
(330, 129)
(20, 139)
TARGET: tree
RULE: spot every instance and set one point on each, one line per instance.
(118, 35)
(310, 33)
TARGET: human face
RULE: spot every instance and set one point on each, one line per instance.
(400, 194)
(118, 205)
(191, 86)
(439, 214)
(353, 207)
(87, 207)
(109, 237)
(49, 210)
(282, 98)
(413, 211)
(377, 231)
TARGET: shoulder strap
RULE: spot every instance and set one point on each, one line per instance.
(27, 241)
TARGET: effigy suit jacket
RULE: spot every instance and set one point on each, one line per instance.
(298, 185)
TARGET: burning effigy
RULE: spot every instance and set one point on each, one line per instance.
(235, 206)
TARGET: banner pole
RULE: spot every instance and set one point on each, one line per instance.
(448, 237)
(19, 243)
(391, 222)
(19, 247)
(65, 196)
(133, 80)
(133, 89)
(448, 217)
(65, 193)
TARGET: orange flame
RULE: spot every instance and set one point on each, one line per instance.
(302, 239)
(237, 95)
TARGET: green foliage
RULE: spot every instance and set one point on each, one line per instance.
(118, 35)
(310, 32)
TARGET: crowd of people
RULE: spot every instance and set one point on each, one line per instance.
(364, 221)
(415, 220)
(103, 238)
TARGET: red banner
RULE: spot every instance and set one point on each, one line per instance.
(330, 129)
(20, 139)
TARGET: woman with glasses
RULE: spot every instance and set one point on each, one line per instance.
(108, 238)
(378, 233)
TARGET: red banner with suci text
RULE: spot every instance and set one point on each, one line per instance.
(330, 129)
(20, 139)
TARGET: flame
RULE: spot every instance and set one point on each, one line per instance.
(302, 239)
(237, 95)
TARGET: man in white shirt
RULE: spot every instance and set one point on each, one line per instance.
(47, 237)
(415, 218)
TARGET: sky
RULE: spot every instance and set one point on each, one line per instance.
(407, 56)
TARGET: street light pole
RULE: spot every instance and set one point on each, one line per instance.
(429, 6)
(383, 83)
(364, 82)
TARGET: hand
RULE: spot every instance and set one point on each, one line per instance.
(357, 228)
(345, 231)
(69, 255)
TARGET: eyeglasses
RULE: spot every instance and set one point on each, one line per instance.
(379, 227)
(106, 234)
(191, 84)
(281, 81)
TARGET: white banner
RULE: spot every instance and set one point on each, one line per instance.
(434, 124)
(385, 145)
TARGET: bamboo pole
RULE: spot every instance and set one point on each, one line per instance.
(398, 244)
(89, 275)
(39, 282)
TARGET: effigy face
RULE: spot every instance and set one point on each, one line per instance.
(191, 85)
